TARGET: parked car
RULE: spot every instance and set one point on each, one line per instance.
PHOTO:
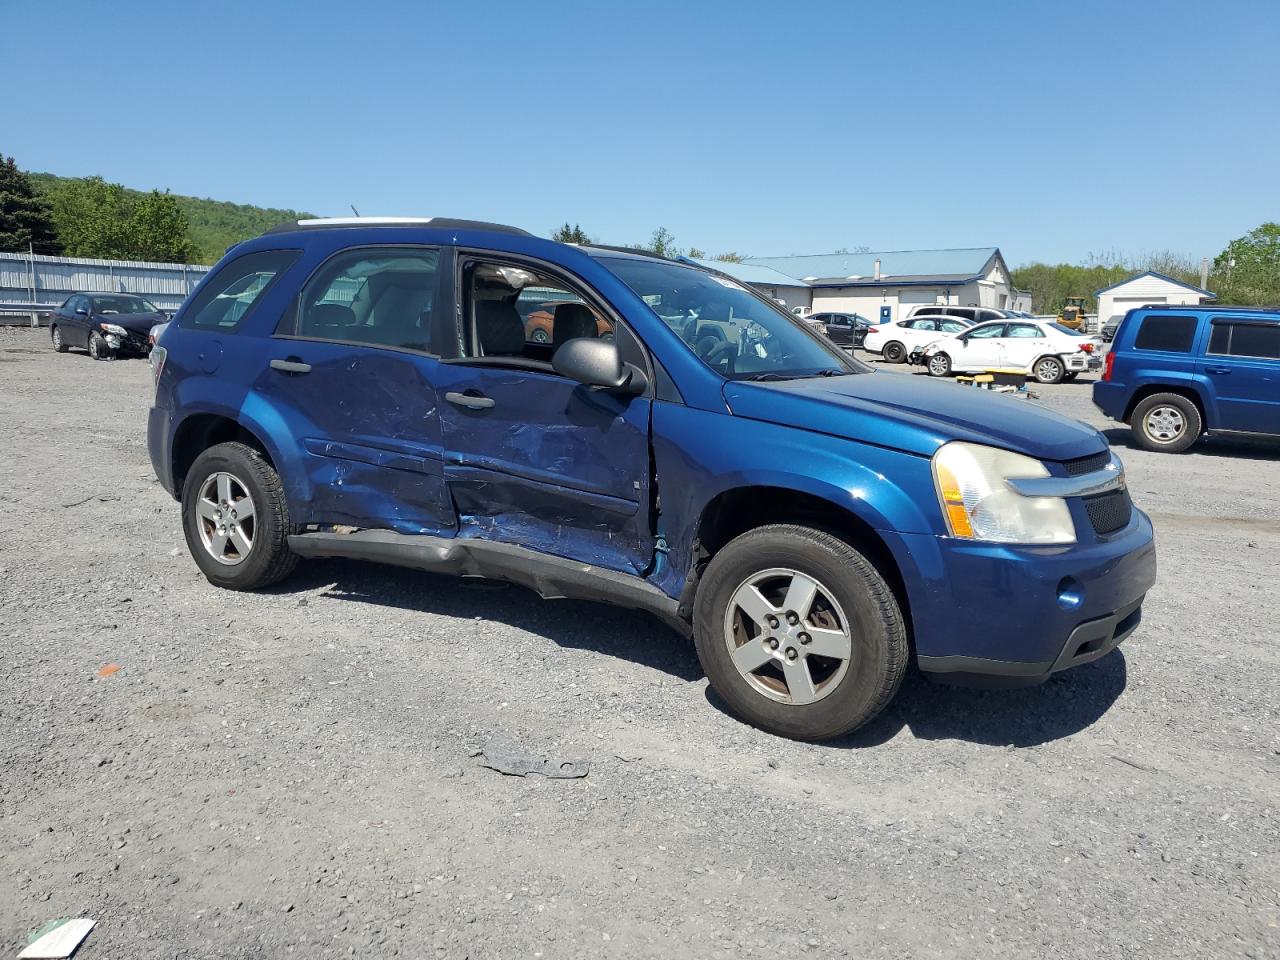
(1048, 352)
(1109, 329)
(846, 329)
(972, 314)
(1177, 372)
(539, 318)
(897, 341)
(106, 324)
(812, 524)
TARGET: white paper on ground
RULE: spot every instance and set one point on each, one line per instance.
(59, 942)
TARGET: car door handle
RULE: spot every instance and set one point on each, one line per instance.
(469, 400)
(1218, 369)
(292, 365)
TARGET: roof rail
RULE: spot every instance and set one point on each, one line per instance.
(436, 223)
(634, 251)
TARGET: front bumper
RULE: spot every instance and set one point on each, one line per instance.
(1022, 613)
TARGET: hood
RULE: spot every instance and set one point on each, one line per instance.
(914, 414)
(136, 322)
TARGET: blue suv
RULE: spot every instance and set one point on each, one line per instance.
(678, 444)
(1174, 373)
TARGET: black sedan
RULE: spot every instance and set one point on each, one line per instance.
(846, 329)
(105, 324)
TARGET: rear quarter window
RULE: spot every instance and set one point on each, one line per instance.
(1169, 334)
(230, 294)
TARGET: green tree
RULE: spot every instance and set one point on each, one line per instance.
(663, 243)
(100, 219)
(730, 257)
(25, 218)
(568, 234)
(157, 229)
(1248, 271)
(697, 253)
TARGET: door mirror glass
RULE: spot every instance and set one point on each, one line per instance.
(597, 363)
(82, 311)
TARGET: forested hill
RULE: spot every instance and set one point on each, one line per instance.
(214, 225)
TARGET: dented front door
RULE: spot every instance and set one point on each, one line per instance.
(548, 463)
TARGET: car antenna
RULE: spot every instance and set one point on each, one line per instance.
(353, 209)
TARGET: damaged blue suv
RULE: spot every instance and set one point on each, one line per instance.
(465, 398)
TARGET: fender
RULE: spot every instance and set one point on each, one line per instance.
(1143, 379)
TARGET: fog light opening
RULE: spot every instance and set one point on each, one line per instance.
(1070, 593)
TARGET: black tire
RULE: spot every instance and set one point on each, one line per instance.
(1147, 419)
(269, 559)
(938, 365)
(1049, 370)
(98, 347)
(55, 336)
(879, 651)
(894, 352)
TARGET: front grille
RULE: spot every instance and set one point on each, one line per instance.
(1088, 464)
(1109, 512)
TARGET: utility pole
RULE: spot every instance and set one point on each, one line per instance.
(1204, 273)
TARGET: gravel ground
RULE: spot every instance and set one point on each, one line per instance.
(292, 771)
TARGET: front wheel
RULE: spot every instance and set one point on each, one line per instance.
(236, 519)
(55, 335)
(1166, 423)
(939, 365)
(1049, 370)
(799, 633)
(99, 349)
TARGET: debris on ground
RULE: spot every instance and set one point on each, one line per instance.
(106, 670)
(514, 762)
(57, 939)
(92, 496)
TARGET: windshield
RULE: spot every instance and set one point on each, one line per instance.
(733, 331)
(123, 305)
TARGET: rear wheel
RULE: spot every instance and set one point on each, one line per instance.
(99, 349)
(939, 365)
(799, 633)
(1049, 370)
(1166, 423)
(236, 519)
(894, 352)
(55, 334)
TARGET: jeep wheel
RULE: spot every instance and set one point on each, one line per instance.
(1049, 370)
(799, 633)
(1166, 423)
(99, 348)
(235, 518)
(939, 365)
(894, 352)
(59, 344)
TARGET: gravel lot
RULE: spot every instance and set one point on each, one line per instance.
(292, 772)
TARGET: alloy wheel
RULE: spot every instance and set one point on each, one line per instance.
(1164, 424)
(787, 636)
(57, 339)
(226, 517)
(1048, 371)
(939, 365)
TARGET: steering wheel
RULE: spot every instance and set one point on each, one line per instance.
(712, 351)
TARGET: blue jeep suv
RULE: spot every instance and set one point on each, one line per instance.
(1174, 373)
(679, 444)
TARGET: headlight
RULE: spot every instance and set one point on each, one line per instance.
(114, 328)
(979, 505)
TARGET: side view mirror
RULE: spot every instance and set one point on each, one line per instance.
(82, 311)
(597, 363)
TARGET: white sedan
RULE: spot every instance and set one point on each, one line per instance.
(897, 341)
(1048, 352)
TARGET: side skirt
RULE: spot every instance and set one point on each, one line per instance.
(549, 576)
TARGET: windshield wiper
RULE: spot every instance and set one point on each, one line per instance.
(766, 376)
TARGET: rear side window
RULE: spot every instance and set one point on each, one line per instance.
(1166, 333)
(376, 296)
(232, 292)
(1257, 340)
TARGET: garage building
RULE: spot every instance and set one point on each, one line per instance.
(1144, 289)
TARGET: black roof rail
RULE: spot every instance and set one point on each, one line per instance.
(1207, 306)
(434, 223)
(634, 251)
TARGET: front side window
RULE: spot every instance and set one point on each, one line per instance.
(1259, 341)
(376, 296)
(734, 332)
(227, 297)
(984, 333)
(1170, 334)
(520, 314)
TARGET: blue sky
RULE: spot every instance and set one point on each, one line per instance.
(1053, 130)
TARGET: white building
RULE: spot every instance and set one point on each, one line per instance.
(896, 280)
(1144, 289)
